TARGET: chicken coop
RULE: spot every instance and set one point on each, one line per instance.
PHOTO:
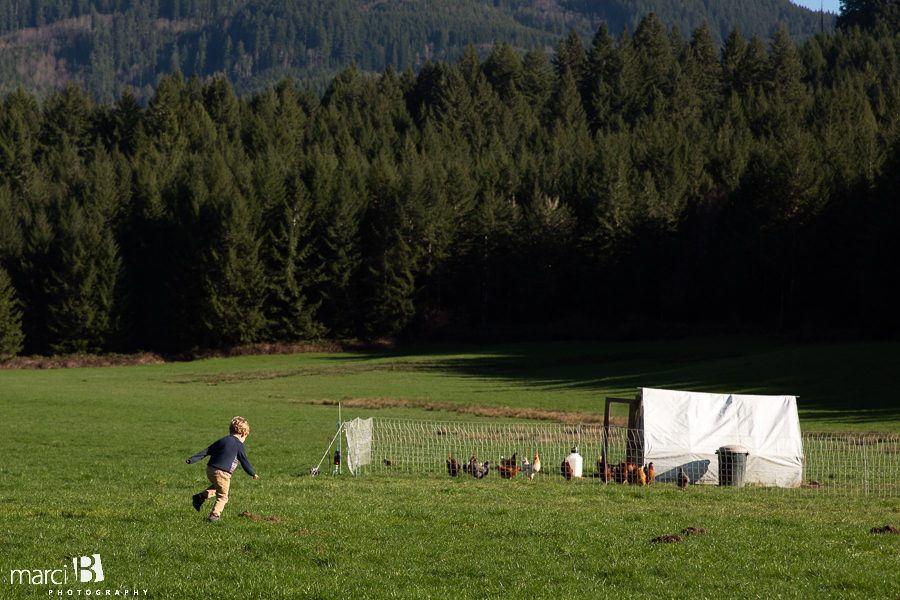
(674, 430)
(688, 430)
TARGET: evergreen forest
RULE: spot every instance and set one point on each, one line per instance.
(638, 182)
(107, 45)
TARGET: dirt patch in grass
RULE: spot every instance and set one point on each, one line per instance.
(694, 531)
(885, 529)
(74, 361)
(666, 539)
(494, 412)
(249, 515)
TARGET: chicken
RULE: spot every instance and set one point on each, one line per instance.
(567, 470)
(509, 462)
(508, 467)
(620, 472)
(469, 466)
(476, 469)
(632, 474)
(641, 475)
(650, 472)
(603, 471)
(682, 480)
(507, 472)
(533, 468)
(452, 466)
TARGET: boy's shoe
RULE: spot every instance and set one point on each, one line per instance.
(214, 518)
(197, 501)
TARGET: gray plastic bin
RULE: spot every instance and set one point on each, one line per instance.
(732, 465)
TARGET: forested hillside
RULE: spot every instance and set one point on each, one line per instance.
(632, 181)
(107, 45)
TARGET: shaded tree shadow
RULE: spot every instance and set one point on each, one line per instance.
(846, 383)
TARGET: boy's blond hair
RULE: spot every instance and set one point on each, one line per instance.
(239, 427)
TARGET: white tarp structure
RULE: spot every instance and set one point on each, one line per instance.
(684, 429)
(359, 443)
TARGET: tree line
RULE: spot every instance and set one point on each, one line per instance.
(108, 45)
(638, 180)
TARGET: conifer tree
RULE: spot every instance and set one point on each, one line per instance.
(648, 80)
(571, 56)
(235, 282)
(703, 70)
(733, 52)
(867, 14)
(338, 196)
(604, 68)
(536, 78)
(390, 261)
(82, 273)
(786, 70)
(286, 252)
(503, 69)
(66, 119)
(754, 65)
(20, 121)
(11, 336)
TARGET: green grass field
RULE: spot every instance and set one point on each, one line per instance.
(94, 463)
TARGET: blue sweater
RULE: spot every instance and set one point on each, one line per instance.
(225, 454)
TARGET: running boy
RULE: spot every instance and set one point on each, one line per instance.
(224, 456)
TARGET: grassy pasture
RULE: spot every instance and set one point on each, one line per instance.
(94, 463)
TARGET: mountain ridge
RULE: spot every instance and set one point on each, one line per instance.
(110, 45)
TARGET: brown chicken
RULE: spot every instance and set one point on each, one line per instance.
(641, 475)
(650, 472)
(620, 472)
(509, 462)
(567, 470)
(632, 474)
(603, 470)
(508, 467)
(452, 466)
(507, 472)
(682, 480)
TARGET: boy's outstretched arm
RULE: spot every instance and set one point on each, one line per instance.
(197, 456)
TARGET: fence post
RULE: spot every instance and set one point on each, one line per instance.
(865, 468)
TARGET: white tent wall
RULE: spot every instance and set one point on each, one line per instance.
(684, 429)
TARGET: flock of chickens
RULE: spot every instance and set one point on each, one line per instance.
(509, 467)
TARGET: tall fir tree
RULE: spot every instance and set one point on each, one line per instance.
(286, 252)
(11, 336)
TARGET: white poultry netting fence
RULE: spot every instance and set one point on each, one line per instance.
(847, 463)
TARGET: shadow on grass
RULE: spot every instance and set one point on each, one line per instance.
(850, 383)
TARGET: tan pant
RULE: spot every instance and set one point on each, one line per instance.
(221, 481)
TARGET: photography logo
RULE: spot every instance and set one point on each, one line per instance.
(71, 582)
(88, 568)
